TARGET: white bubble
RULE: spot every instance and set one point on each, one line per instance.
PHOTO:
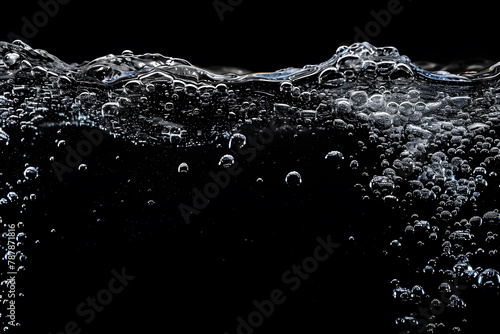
(293, 179)
(237, 140)
(30, 173)
(226, 161)
(183, 167)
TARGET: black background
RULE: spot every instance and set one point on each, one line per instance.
(201, 277)
(258, 35)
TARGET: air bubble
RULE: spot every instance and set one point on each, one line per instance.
(382, 184)
(358, 99)
(406, 108)
(169, 106)
(286, 87)
(331, 78)
(489, 278)
(226, 161)
(491, 217)
(334, 155)
(183, 168)
(293, 179)
(12, 196)
(30, 173)
(237, 140)
(413, 95)
(402, 74)
(376, 102)
(370, 69)
(11, 59)
(381, 120)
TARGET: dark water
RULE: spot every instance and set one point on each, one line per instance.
(184, 200)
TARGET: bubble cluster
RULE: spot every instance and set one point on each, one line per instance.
(426, 145)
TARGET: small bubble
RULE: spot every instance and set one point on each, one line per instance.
(293, 179)
(402, 74)
(12, 196)
(237, 140)
(489, 278)
(286, 87)
(30, 173)
(491, 217)
(11, 59)
(169, 106)
(183, 167)
(334, 156)
(226, 161)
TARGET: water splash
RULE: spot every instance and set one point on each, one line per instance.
(435, 134)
